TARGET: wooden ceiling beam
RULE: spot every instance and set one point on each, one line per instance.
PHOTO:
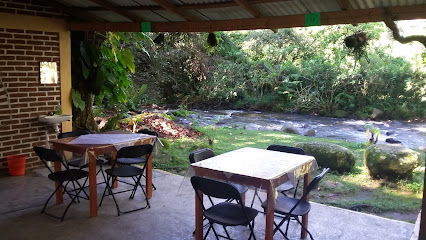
(117, 9)
(327, 18)
(172, 8)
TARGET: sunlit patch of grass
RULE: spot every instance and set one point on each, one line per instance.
(353, 190)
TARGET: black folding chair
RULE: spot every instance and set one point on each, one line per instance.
(202, 154)
(224, 213)
(63, 177)
(149, 132)
(142, 160)
(205, 153)
(292, 208)
(287, 186)
(128, 171)
(79, 162)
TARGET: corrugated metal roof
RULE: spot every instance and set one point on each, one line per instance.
(110, 16)
(214, 10)
(199, 1)
(124, 3)
(80, 3)
(157, 16)
(224, 13)
(145, 2)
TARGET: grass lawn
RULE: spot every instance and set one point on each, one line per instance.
(354, 190)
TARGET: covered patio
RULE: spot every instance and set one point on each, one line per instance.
(39, 31)
(171, 215)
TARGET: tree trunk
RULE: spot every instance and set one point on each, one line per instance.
(85, 119)
(81, 119)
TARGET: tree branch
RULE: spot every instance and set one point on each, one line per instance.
(397, 36)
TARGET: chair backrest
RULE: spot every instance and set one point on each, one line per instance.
(135, 151)
(215, 188)
(311, 186)
(200, 155)
(73, 133)
(314, 183)
(146, 131)
(287, 149)
(48, 155)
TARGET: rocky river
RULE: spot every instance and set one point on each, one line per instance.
(410, 134)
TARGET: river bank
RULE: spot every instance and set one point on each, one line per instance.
(410, 134)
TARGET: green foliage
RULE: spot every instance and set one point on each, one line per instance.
(373, 133)
(135, 98)
(112, 123)
(76, 100)
(106, 68)
(309, 69)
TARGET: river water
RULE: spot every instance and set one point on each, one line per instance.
(411, 135)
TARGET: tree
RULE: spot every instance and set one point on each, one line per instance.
(100, 72)
(390, 23)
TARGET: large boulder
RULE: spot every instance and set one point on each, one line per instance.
(289, 128)
(341, 114)
(377, 113)
(391, 162)
(329, 155)
(310, 133)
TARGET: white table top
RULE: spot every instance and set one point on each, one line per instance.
(259, 163)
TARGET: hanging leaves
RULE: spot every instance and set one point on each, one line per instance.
(357, 43)
(106, 68)
(76, 100)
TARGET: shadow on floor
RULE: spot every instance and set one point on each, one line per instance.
(171, 215)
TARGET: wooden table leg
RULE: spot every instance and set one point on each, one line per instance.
(93, 191)
(59, 193)
(306, 180)
(198, 217)
(148, 178)
(270, 206)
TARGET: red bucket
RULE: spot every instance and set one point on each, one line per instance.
(16, 164)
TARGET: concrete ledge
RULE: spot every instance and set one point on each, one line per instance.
(416, 231)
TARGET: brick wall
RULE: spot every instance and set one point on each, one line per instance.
(22, 97)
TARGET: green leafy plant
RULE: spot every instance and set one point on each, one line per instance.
(101, 74)
(112, 123)
(76, 100)
(373, 133)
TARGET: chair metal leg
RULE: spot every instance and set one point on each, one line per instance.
(227, 234)
(278, 226)
(47, 201)
(214, 231)
(256, 194)
(73, 198)
(310, 235)
(69, 205)
(137, 183)
(252, 231)
(208, 230)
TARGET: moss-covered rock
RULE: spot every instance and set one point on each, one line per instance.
(289, 128)
(330, 155)
(341, 113)
(391, 162)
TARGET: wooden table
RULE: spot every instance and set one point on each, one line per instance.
(258, 168)
(92, 151)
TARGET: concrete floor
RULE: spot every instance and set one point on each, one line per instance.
(170, 217)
